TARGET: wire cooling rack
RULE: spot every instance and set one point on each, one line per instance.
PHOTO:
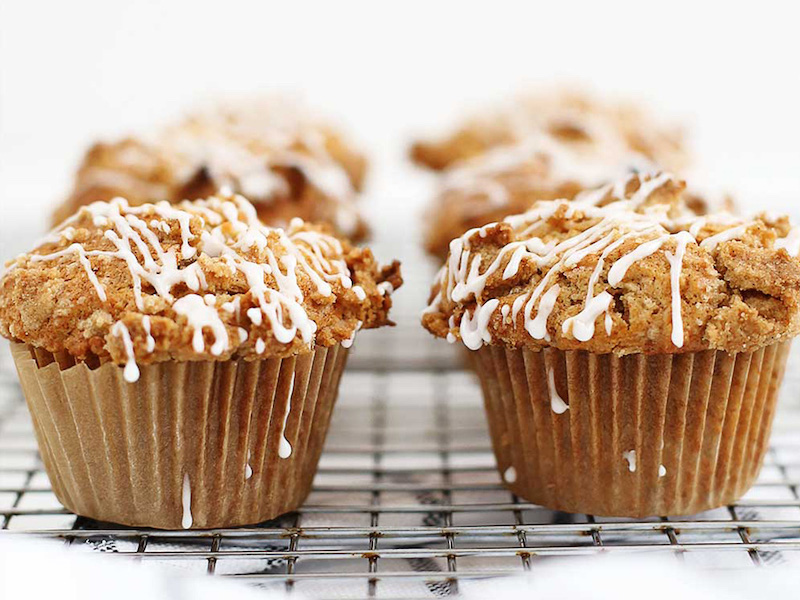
(407, 502)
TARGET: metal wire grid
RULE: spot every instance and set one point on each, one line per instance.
(407, 502)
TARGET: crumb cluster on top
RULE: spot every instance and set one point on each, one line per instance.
(271, 150)
(200, 280)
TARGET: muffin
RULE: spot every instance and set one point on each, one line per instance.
(508, 180)
(571, 117)
(286, 162)
(629, 353)
(181, 362)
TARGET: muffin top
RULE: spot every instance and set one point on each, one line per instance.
(200, 280)
(623, 269)
(287, 163)
(508, 180)
(572, 117)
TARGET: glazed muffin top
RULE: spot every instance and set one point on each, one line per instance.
(508, 180)
(624, 269)
(201, 280)
(573, 117)
(286, 162)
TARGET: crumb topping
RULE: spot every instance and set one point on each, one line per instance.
(287, 164)
(623, 269)
(573, 118)
(200, 280)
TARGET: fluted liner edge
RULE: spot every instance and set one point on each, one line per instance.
(698, 425)
(127, 452)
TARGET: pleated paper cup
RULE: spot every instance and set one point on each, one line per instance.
(630, 436)
(190, 445)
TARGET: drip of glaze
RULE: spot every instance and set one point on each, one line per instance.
(199, 315)
(510, 475)
(630, 456)
(557, 404)
(131, 371)
(662, 471)
(347, 343)
(285, 448)
(710, 243)
(151, 342)
(248, 470)
(538, 326)
(186, 497)
(227, 226)
(473, 329)
(582, 324)
(675, 267)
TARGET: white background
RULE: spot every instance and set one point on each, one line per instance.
(72, 71)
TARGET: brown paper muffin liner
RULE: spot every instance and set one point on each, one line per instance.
(190, 444)
(643, 435)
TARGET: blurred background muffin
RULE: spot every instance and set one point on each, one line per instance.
(288, 162)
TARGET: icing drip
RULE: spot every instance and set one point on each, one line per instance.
(617, 271)
(662, 471)
(285, 448)
(473, 330)
(675, 266)
(186, 520)
(151, 342)
(349, 341)
(248, 470)
(582, 324)
(510, 475)
(200, 315)
(131, 370)
(538, 326)
(225, 230)
(630, 456)
(82, 257)
(557, 404)
(729, 234)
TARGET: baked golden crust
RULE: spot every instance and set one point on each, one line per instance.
(544, 147)
(571, 117)
(288, 165)
(508, 180)
(620, 271)
(195, 281)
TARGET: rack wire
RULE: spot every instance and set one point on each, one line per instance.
(407, 502)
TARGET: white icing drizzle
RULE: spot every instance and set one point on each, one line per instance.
(582, 324)
(200, 315)
(248, 470)
(347, 343)
(510, 475)
(463, 278)
(82, 257)
(186, 498)
(474, 331)
(131, 371)
(540, 160)
(662, 471)
(630, 456)
(224, 229)
(151, 342)
(557, 404)
(285, 448)
(675, 266)
(538, 327)
(617, 271)
(729, 234)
